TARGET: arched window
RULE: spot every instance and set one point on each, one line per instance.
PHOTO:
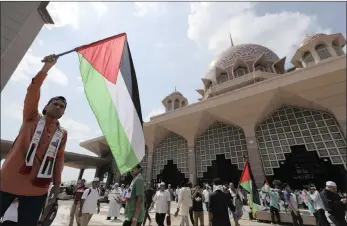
(240, 72)
(322, 51)
(260, 68)
(308, 58)
(176, 104)
(169, 105)
(183, 103)
(223, 78)
(338, 49)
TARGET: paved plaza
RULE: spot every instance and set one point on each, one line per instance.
(100, 219)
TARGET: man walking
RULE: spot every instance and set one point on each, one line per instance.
(219, 204)
(90, 202)
(290, 198)
(37, 155)
(334, 204)
(162, 201)
(184, 204)
(318, 206)
(135, 209)
(149, 193)
(75, 208)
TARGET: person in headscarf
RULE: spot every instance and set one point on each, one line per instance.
(37, 156)
(114, 197)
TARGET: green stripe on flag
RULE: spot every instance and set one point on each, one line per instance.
(106, 114)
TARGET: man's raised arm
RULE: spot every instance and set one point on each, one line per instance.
(31, 101)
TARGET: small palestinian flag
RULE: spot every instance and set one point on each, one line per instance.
(110, 85)
(266, 186)
(248, 183)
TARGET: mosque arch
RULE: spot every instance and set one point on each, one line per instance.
(337, 48)
(322, 51)
(308, 58)
(176, 104)
(220, 139)
(173, 147)
(223, 77)
(169, 105)
(290, 127)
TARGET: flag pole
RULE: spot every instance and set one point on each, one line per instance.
(61, 54)
(65, 53)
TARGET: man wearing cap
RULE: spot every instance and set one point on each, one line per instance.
(334, 204)
(90, 202)
(78, 192)
(318, 206)
(37, 154)
(135, 209)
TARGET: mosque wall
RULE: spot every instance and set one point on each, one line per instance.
(290, 126)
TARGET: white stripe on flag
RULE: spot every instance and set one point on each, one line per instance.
(127, 115)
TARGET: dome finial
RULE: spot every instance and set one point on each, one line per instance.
(231, 40)
(306, 34)
(175, 89)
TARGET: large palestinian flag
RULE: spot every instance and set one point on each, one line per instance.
(110, 85)
(248, 183)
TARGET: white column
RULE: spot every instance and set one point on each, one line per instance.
(315, 56)
(331, 50)
(191, 162)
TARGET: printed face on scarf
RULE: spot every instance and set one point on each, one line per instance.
(55, 108)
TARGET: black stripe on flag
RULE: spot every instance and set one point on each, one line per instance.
(129, 75)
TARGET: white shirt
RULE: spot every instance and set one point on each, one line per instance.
(206, 194)
(317, 200)
(11, 213)
(161, 199)
(90, 201)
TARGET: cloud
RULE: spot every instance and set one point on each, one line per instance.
(73, 13)
(143, 9)
(76, 130)
(209, 25)
(31, 64)
(40, 41)
(155, 112)
(13, 111)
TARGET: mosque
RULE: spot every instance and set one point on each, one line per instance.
(290, 124)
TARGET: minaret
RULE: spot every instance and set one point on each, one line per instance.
(231, 40)
(306, 34)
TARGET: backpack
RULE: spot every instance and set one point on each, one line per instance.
(90, 190)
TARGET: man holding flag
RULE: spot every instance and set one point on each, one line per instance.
(37, 156)
(247, 182)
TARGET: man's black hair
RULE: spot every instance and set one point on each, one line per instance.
(217, 181)
(55, 98)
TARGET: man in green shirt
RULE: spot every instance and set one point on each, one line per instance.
(135, 209)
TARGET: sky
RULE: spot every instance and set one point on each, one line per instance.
(172, 45)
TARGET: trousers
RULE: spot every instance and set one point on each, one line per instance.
(297, 219)
(274, 212)
(160, 218)
(29, 208)
(74, 213)
(199, 216)
(85, 218)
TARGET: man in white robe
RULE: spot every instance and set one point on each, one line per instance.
(115, 202)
